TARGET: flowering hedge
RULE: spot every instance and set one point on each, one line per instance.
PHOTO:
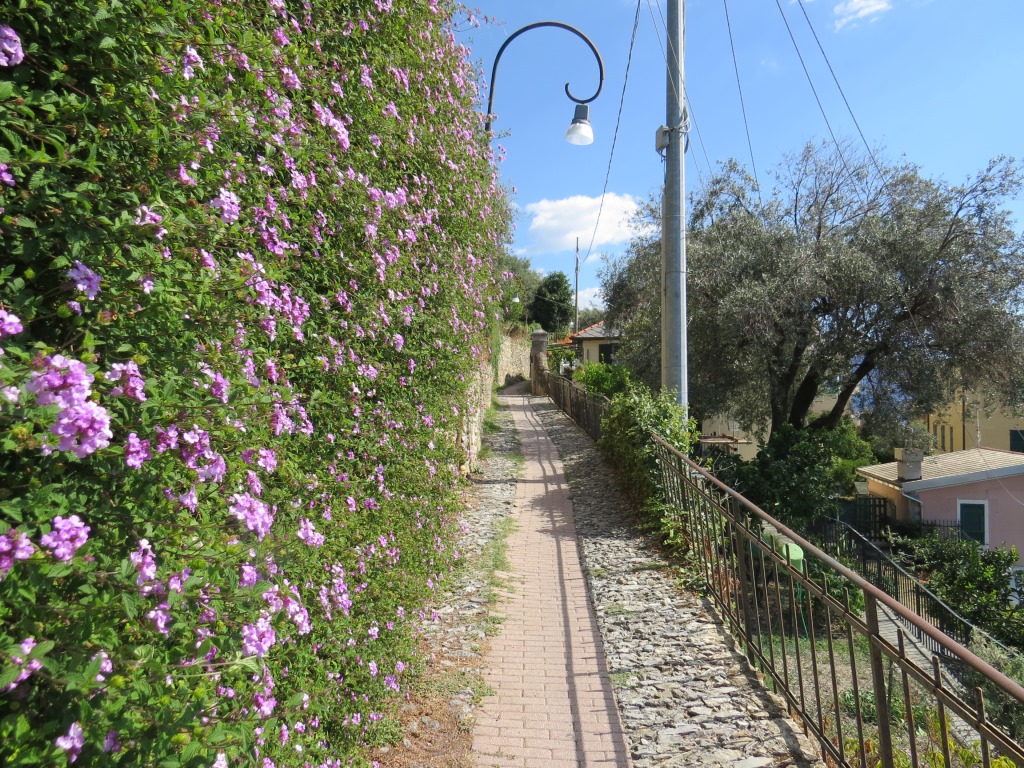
(246, 270)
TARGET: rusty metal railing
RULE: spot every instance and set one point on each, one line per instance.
(835, 647)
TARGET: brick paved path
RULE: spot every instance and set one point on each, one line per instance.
(553, 704)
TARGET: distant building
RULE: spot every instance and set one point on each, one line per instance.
(596, 343)
(979, 491)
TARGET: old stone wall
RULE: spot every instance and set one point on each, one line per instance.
(513, 365)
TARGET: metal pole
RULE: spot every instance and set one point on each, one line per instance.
(576, 324)
(673, 241)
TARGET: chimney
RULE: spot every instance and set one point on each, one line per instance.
(908, 463)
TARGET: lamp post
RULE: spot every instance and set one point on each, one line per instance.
(580, 131)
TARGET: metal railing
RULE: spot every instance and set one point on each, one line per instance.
(586, 410)
(844, 541)
(834, 646)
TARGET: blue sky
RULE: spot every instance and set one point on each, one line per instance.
(938, 82)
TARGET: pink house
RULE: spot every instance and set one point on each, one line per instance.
(980, 489)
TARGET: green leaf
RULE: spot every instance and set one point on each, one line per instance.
(6, 89)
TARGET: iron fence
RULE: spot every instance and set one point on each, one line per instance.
(835, 646)
(844, 541)
(586, 410)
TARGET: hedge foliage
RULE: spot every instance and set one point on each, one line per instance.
(246, 272)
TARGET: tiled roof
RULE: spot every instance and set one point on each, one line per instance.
(596, 331)
(954, 468)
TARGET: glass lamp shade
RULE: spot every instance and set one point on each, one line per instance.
(580, 131)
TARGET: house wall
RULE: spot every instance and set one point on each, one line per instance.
(748, 448)
(951, 430)
(590, 350)
(1005, 498)
(899, 501)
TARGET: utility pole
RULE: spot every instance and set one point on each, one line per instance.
(576, 323)
(673, 215)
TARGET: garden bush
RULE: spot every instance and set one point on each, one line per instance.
(605, 379)
(626, 431)
(246, 274)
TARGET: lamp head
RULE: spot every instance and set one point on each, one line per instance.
(580, 131)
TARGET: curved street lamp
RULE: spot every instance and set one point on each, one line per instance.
(579, 131)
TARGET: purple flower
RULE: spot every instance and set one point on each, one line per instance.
(228, 204)
(10, 324)
(144, 561)
(308, 534)
(10, 47)
(161, 617)
(144, 216)
(267, 459)
(136, 451)
(12, 394)
(189, 500)
(258, 638)
(106, 666)
(85, 280)
(5, 175)
(133, 383)
(68, 534)
(188, 61)
(111, 743)
(256, 515)
(14, 545)
(64, 382)
(72, 742)
(82, 429)
(249, 575)
(290, 79)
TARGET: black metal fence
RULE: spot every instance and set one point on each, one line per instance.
(586, 410)
(843, 541)
(835, 646)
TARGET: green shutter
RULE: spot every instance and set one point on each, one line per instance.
(972, 521)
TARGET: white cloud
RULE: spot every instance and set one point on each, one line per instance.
(591, 298)
(555, 224)
(859, 10)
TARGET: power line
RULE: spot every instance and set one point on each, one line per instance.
(839, 87)
(615, 136)
(814, 90)
(739, 87)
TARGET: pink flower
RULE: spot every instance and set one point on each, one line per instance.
(72, 742)
(10, 324)
(11, 53)
(66, 536)
(85, 280)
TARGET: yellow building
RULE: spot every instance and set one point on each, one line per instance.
(970, 424)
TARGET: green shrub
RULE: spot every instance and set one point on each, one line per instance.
(246, 278)
(626, 435)
(604, 379)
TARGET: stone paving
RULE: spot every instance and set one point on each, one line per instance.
(683, 696)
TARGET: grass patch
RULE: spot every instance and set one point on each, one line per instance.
(617, 610)
(450, 683)
(494, 556)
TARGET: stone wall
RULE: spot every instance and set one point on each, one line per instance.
(513, 365)
(513, 361)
